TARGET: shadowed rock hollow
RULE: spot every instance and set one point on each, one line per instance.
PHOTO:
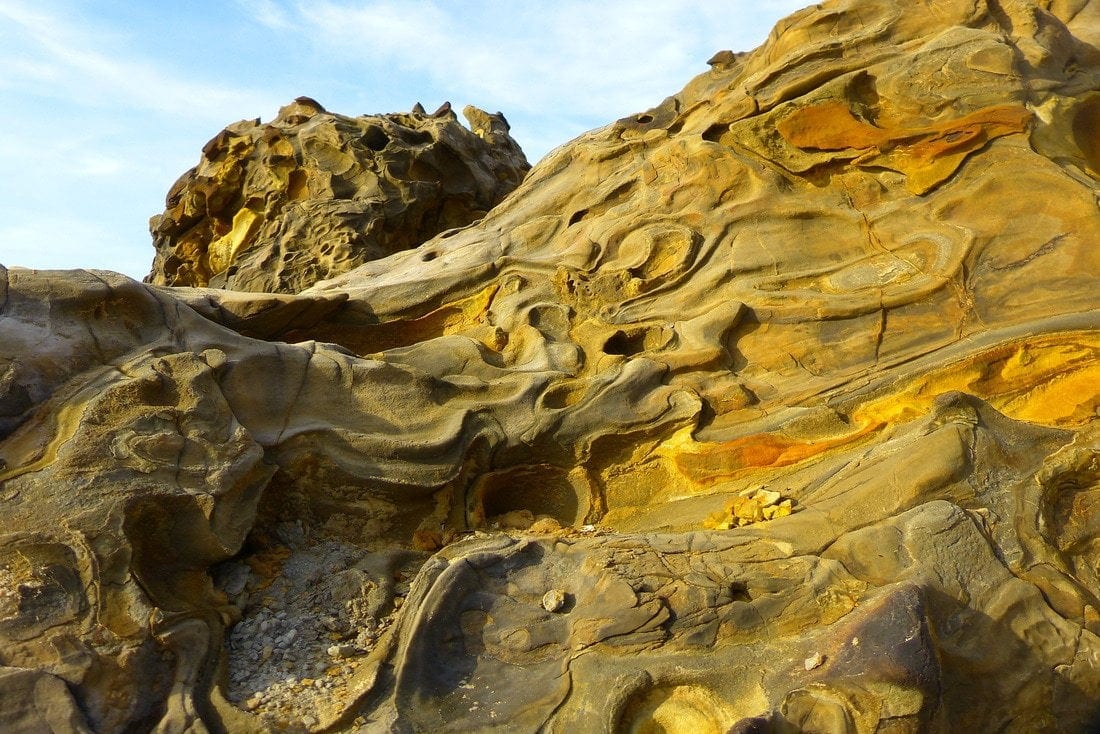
(772, 408)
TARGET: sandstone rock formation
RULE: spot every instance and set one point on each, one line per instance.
(770, 409)
(276, 207)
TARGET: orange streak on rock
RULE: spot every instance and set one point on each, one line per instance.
(728, 459)
(927, 155)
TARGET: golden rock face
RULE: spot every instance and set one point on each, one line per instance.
(772, 408)
(278, 206)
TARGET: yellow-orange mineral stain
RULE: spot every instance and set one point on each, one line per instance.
(1049, 380)
(927, 155)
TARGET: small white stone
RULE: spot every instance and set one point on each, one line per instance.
(768, 497)
(815, 661)
(341, 651)
(553, 600)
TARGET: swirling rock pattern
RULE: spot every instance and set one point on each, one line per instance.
(528, 475)
(278, 206)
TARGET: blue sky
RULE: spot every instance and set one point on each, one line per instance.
(106, 103)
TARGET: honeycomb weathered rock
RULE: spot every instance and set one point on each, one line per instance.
(278, 206)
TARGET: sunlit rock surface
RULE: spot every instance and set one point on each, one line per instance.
(311, 194)
(770, 409)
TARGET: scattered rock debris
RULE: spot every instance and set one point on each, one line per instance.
(311, 609)
(750, 506)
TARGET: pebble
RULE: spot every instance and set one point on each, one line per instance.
(553, 600)
(290, 650)
(814, 661)
(341, 651)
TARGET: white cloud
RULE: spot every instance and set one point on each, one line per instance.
(588, 58)
(98, 165)
(86, 65)
(266, 13)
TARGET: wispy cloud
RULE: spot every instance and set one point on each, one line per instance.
(266, 12)
(587, 57)
(87, 65)
(93, 125)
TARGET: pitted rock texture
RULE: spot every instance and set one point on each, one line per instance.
(770, 409)
(310, 195)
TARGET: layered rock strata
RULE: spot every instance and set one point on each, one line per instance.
(770, 409)
(275, 207)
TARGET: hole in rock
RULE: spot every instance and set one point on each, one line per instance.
(1086, 131)
(676, 708)
(644, 119)
(739, 592)
(375, 138)
(414, 137)
(517, 497)
(636, 341)
(625, 344)
(715, 132)
(864, 97)
(563, 396)
(296, 187)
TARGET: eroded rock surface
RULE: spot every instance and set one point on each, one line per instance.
(278, 206)
(770, 409)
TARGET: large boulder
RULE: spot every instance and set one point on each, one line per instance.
(278, 206)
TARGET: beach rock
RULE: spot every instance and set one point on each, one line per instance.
(277, 206)
(787, 386)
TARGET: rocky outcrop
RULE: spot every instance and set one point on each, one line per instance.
(772, 408)
(276, 207)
